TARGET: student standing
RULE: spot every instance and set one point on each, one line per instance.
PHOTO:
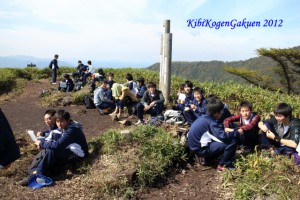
(54, 66)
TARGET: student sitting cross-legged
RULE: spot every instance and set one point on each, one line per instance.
(247, 121)
(208, 140)
(101, 101)
(196, 107)
(66, 146)
(152, 103)
(282, 132)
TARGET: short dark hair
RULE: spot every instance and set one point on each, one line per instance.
(89, 62)
(151, 85)
(66, 76)
(245, 104)
(214, 106)
(56, 56)
(283, 109)
(50, 112)
(189, 84)
(141, 80)
(129, 77)
(199, 90)
(63, 115)
(79, 61)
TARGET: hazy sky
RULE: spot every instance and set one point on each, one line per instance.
(129, 31)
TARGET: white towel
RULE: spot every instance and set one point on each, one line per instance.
(207, 138)
(76, 148)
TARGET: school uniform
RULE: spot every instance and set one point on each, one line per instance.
(149, 98)
(249, 127)
(191, 115)
(55, 151)
(289, 132)
(101, 101)
(54, 66)
(141, 90)
(208, 139)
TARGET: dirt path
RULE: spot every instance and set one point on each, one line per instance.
(24, 112)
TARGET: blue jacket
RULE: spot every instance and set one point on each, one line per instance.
(201, 107)
(9, 150)
(141, 91)
(46, 133)
(207, 123)
(188, 99)
(72, 134)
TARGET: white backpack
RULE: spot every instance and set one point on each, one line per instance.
(174, 117)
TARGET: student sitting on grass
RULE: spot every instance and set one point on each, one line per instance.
(101, 101)
(50, 121)
(123, 97)
(141, 87)
(196, 108)
(152, 103)
(69, 84)
(181, 97)
(208, 140)
(225, 113)
(247, 121)
(131, 84)
(282, 132)
(188, 89)
(9, 150)
(67, 148)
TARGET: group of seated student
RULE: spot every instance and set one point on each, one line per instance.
(84, 71)
(215, 132)
(130, 95)
(64, 142)
(209, 137)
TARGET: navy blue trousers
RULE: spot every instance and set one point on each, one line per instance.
(154, 111)
(216, 149)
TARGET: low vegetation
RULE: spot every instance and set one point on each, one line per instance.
(149, 153)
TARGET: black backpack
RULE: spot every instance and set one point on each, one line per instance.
(88, 102)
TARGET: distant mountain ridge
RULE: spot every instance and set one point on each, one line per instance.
(214, 70)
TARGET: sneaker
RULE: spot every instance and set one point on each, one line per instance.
(224, 167)
(139, 122)
(23, 182)
(200, 160)
(100, 111)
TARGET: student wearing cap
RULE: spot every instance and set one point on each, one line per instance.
(101, 101)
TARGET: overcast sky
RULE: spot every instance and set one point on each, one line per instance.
(129, 31)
